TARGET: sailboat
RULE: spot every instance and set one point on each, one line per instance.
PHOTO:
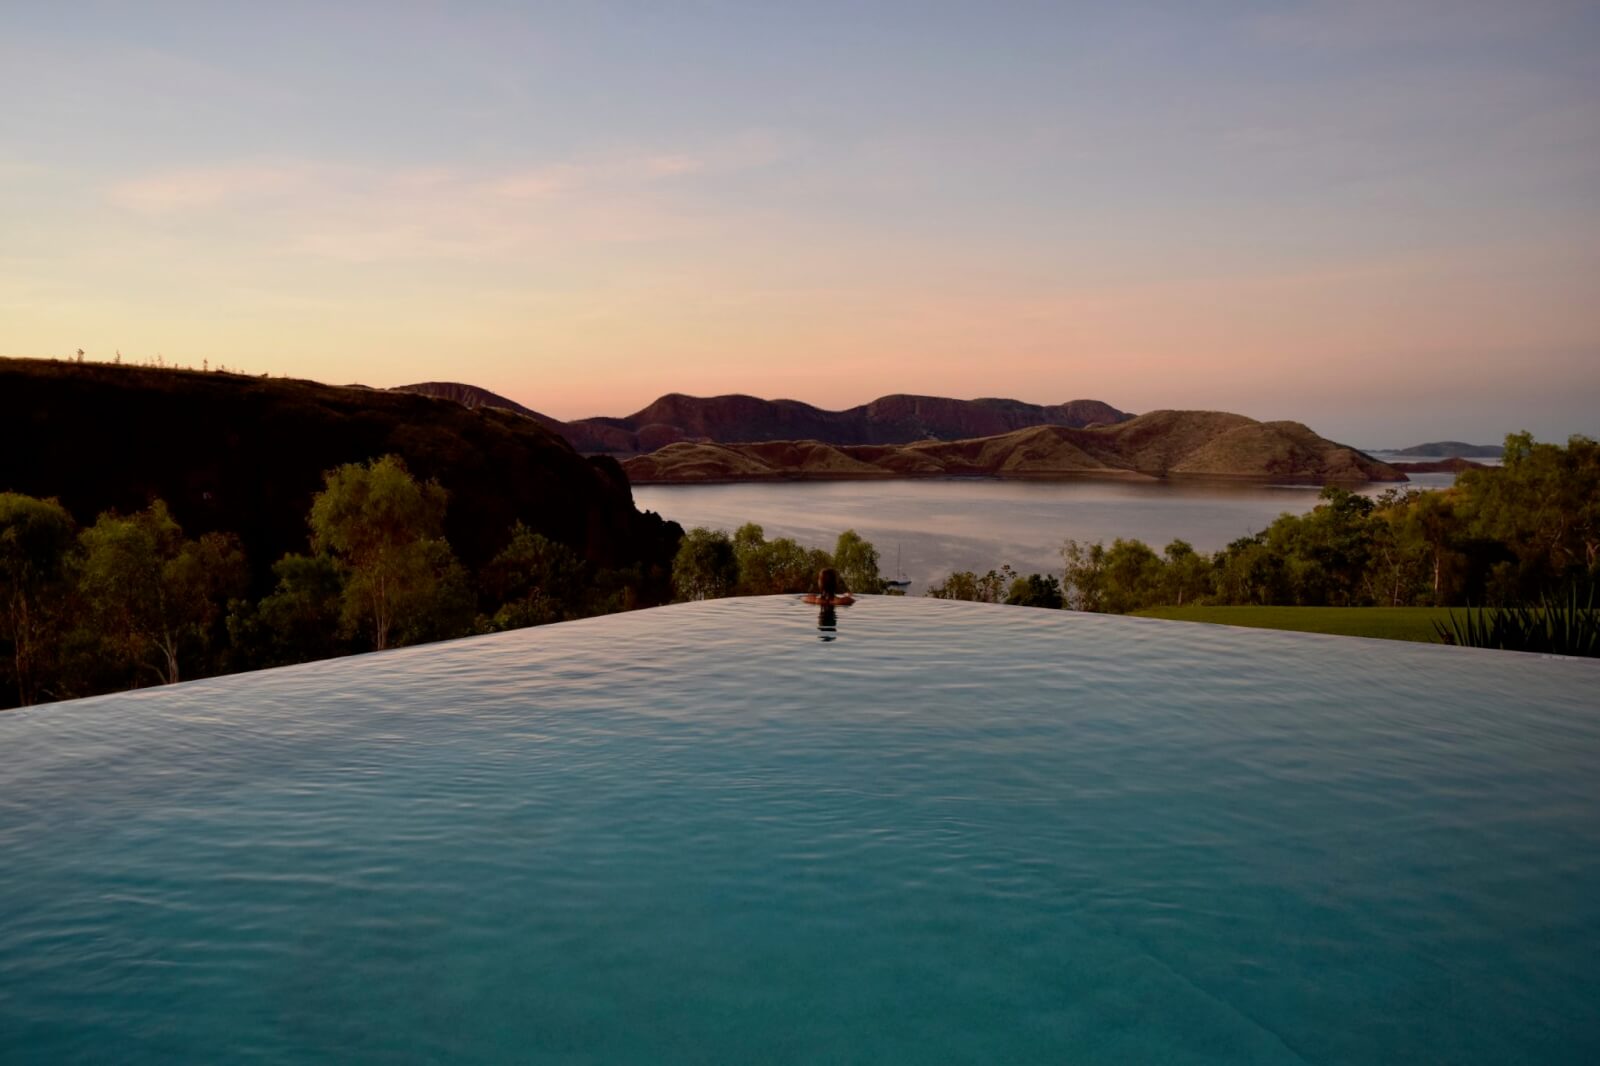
(899, 583)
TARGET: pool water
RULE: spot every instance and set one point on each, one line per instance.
(956, 833)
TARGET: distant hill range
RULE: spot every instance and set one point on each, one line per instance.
(1453, 448)
(245, 455)
(741, 438)
(1159, 445)
(898, 419)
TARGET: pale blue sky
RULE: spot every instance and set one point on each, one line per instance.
(1382, 219)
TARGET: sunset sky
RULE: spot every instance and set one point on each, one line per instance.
(1380, 218)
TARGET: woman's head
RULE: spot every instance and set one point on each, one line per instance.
(828, 581)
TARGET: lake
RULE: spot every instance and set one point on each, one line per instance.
(939, 526)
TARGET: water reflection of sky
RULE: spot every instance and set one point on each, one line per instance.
(697, 834)
(938, 526)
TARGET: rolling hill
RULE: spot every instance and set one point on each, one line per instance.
(1154, 446)
(898, 419)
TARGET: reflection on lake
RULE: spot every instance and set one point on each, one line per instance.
(976, 524)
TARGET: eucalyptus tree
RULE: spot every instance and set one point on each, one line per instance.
(1543, 504)
(706, 566)
(386, 531)
(534, 580)
(154, 596)
(1188, 577)
(37, 538)
(768, 567)
(298, 621)
(857, 562)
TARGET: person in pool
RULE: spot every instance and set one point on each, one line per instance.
(828, 594)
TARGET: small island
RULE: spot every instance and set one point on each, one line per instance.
(1456, 448)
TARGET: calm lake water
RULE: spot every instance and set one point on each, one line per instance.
(699, 834)
(939, 526)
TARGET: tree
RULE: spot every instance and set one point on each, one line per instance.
(385, 529)
(1083, 580)
(440, 606)
(706, 566)
(1326, 555)
(1248, 572)
(1409, 547)
(991, 587)
(1134, 576)
(151, 593)
(37, 538)
(857, 562)
(1035, 591)
(771, 567)
(1543, 504)
(300, 620)
(961, 585)
(748, 540)
(533, 581)
(1188, 576)
(1431, 519)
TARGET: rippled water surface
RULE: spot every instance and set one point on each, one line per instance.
(957, 833)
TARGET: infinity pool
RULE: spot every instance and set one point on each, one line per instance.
(955, 833)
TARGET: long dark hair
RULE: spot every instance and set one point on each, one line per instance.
(827, 581)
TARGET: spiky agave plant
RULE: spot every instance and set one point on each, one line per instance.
(1564, 626)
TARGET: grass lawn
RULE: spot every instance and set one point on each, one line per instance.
(1388, 623)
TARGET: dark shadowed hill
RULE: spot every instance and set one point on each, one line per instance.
(246, 454)
(896, 419)
(474, 397)
(1161, 444)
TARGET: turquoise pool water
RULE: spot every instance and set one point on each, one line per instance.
(956, 833)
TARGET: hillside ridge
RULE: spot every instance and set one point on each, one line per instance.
(737, 418)
(246, 454)
(1160, 445)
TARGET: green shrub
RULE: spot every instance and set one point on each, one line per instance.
(1568, 626)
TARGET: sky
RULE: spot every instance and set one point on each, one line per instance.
(1377, 217)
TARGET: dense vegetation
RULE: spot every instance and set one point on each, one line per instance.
(244, 455)
(132, 600)
(156, 524)
(711, 564)
(109, 583)
(1505, 538)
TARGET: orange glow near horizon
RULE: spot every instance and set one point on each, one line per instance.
(1371, 219)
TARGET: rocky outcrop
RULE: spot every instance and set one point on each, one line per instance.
(1156, 446)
